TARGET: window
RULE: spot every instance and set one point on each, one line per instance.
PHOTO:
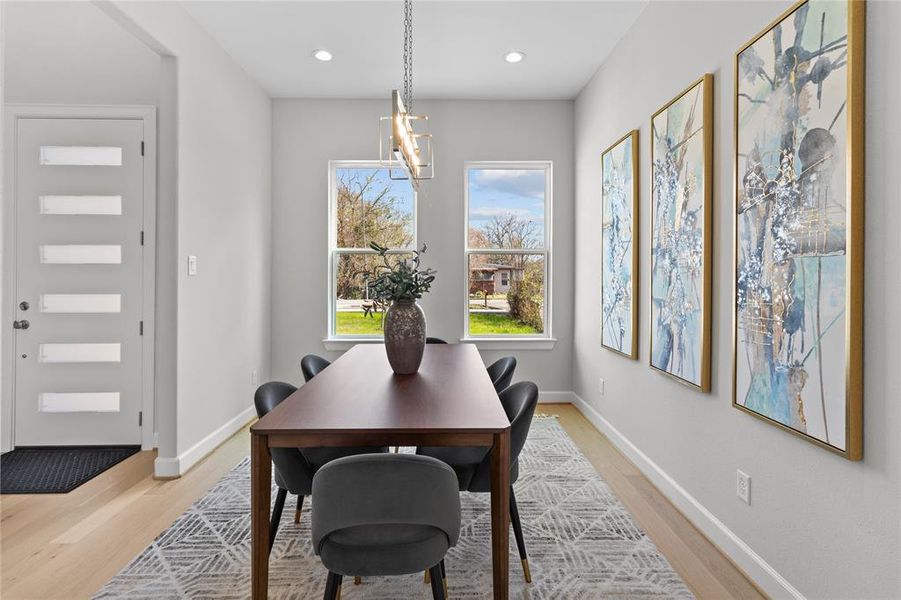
(365, 205)
(508, 233)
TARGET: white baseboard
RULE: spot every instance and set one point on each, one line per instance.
(555, 397)
(761, 572)
(179, 465)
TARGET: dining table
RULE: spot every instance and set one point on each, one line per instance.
(359, 401)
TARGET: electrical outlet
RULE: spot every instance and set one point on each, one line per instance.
(601, 386)
(192, 265)
(254, 379)
(743, 486)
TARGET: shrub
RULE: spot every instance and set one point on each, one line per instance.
(526, 299)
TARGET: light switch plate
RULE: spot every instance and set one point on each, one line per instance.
(192, 265)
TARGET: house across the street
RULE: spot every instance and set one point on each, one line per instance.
(494, 279)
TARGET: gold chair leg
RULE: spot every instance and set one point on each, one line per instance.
(525, 570)
(358, 580)
(427, 578)
(446, 595)
(297, 515)
(338, 595)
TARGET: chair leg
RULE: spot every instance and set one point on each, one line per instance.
(276, 515)
(358, 580)
(444, 577)
(436, 580)
(299, 507)
(517, 533)
(332, 587)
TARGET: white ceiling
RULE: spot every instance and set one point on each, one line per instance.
(458, 45)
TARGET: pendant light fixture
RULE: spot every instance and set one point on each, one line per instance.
(405, 143)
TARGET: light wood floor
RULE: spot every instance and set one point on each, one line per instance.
(68, 546)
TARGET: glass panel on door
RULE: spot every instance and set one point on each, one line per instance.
(81, 156)
(66, 402)
(80, 205)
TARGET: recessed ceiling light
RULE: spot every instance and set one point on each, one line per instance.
(323, 55)
(514, 56)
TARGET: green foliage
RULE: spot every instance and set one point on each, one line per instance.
(526, 298)
(403, 280)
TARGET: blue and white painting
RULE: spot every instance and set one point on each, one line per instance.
(678, 202)
(791, 206)
(618, 237)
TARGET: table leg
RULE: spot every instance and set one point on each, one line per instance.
(500, 513)
(260, 495)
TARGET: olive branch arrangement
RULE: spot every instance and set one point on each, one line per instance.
(403, 281)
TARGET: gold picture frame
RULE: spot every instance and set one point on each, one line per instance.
(633, 156)
(849, 53)
(701, 319)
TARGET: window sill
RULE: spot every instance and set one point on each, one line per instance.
(511, 343)
(341, 344)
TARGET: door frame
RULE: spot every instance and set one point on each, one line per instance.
(11, 115)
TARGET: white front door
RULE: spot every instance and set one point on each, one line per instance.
(79, 220)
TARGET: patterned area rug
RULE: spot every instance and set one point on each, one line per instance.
(582, 543)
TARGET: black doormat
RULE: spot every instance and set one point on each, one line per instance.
(56, 469)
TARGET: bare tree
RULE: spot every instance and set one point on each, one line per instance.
(366, 213)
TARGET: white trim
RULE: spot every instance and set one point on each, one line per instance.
(753, 565)
(546, 250)
(331, 338)
(511, 343)
(178, 466)
(147, 114)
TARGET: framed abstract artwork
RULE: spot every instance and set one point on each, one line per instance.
(619, 246)
(798, 306)
(681, 212)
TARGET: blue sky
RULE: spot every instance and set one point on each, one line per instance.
(499, 192)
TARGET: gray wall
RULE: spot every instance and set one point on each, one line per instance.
(309, 133)
(72, 53)
(222, 215)
(829, 526)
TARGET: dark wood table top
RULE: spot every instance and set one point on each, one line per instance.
(358, 393)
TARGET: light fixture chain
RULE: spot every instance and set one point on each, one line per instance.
(408, 54)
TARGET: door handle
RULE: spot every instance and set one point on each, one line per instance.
(24, 305)
(23, 324)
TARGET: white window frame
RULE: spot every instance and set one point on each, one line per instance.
(545, 340)
(333, 340)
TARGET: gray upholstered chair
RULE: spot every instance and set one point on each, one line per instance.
(434, 340)
(311, 365)
(501, 372)
(295, 467)
(385, 514)
(473, 464)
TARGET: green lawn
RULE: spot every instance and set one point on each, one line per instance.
(355, 323)
(491, 323)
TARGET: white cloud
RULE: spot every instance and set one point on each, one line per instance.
(519, 182)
